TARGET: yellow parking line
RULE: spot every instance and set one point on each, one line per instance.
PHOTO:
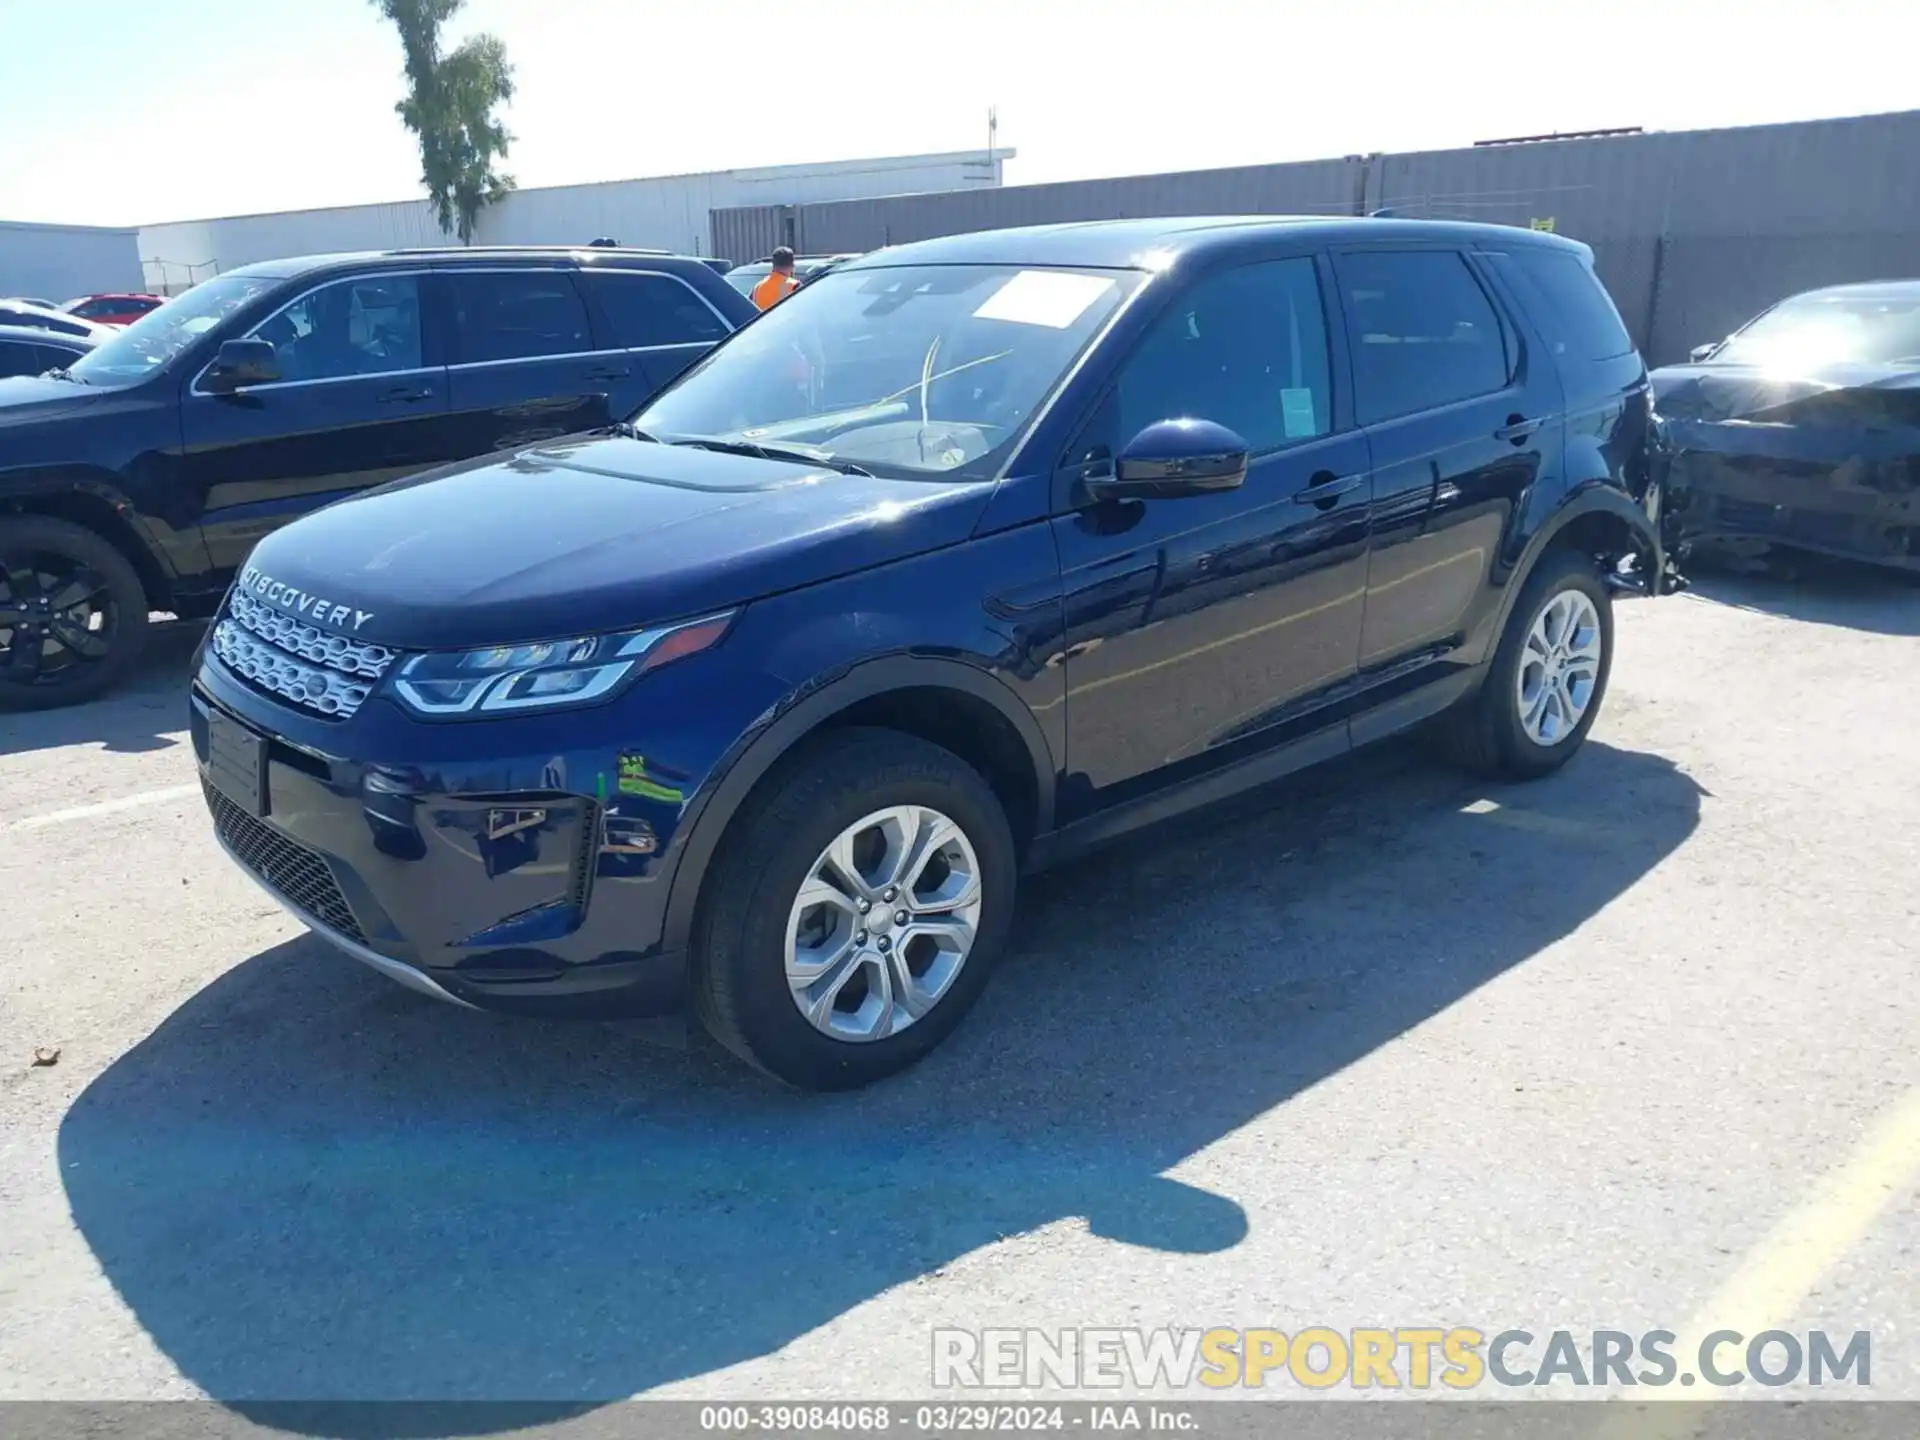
(1780, 1272)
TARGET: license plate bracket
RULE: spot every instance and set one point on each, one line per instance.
(237, 763)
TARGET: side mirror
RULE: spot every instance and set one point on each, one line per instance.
(1172, 458)
(241, 363)
(1702, 352)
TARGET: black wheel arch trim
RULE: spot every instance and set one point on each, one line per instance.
(1591, 499)
(750, 760)
(20, 489)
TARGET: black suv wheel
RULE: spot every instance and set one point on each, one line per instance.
(1543, 691)
(856, 912)
(73, 613)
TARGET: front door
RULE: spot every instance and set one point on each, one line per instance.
(1206, 627)
(525, 367)
(357, 404)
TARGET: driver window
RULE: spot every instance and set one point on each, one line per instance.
(1245, 348)
(352, 327)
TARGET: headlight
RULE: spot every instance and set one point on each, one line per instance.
(511, 678)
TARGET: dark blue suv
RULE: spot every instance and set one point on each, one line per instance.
(138, 476)
(971, 554)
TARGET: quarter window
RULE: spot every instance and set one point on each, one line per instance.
(1578, 316)
(649, 309)
(1246, 349)
(1424, 334)
(352, 327)
(20, 359)
(517, 315)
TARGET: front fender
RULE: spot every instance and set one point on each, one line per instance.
(799, 716)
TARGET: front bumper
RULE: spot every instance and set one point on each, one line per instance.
(532, 883)
(1854, 495)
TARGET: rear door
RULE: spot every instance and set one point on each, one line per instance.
(360, 401)
(1462, 418)
(657, 319)
(524, 366)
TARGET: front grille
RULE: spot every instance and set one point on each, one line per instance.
(329, 674)
(284, 866)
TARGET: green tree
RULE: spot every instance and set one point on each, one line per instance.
(449, 106)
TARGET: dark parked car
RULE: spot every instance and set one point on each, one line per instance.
(970, 555)
(32, 316)
(139, 477)
(26, 351)
(1802, 429)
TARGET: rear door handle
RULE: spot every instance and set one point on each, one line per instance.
(406, 395)
(610, 372)
(1517, 429)
(1326, 489)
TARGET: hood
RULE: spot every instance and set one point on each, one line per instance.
(1713, 394)
(30, 398)
(590, 535)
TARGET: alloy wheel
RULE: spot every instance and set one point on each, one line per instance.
(883, 923)
(1559, 667)
(57, 618)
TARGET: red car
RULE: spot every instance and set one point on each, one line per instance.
(121, 309)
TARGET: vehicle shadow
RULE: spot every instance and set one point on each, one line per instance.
(308, 1184)
(1818, 591)
(147, 712)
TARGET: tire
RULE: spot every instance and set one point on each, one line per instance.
(1486, 734)
(748, 900)
(44, 541)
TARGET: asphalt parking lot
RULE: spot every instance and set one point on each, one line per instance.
(1634, 1048)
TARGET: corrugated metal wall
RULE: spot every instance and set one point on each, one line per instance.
(1693, 231)
(1316, 187)
(669, 212)
(59, 262)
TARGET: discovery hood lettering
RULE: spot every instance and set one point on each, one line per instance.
(592, 535)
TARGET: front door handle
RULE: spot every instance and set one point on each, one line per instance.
(1327, 489)
(406, 395)
(1518, 429)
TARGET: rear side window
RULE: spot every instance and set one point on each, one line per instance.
(1424, 334)
(516, 315)
(1578, 316)
(649, 309)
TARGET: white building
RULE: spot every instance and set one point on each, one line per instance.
(668, 212)
(60, 262)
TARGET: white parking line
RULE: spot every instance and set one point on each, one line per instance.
(106, 807)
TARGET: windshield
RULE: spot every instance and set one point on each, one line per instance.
(1816, 330)
(909, 370)
(163, 332)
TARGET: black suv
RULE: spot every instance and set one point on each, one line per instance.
(138, 477)
(968, 555)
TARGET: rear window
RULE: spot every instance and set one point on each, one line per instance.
(1577, 315)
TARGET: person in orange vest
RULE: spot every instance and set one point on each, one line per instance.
(780, 281)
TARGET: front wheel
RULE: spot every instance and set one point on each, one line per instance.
(1543, 690)
(73, 614)
(856, 911)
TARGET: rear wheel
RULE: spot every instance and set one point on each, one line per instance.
(73, 613)
(1543, 691)
(856, 912)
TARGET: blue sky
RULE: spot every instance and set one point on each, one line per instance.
(129, 111)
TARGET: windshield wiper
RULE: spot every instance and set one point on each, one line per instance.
(793, 453)
(627, 430)
(63, 373)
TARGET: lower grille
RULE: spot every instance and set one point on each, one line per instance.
(283, 866)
